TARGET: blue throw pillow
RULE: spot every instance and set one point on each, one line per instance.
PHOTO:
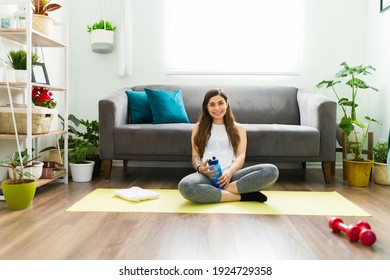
(139, 108)
(167, 106)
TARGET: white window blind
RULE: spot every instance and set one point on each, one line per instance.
(233, 36)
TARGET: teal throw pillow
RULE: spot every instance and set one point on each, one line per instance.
(167, 106)
(139, 108)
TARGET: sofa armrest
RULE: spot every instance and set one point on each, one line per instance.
(320, 112)
(112, 113)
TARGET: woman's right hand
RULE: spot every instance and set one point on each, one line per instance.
(205, 169)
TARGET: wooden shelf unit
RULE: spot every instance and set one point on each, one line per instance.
(38, 39)
(32, 38)
(23, 85)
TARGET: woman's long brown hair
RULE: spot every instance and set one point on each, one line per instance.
(206, 120)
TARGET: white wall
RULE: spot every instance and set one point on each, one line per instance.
(334, 33)
(378, 53)
(336, 30)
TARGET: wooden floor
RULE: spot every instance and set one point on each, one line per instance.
(47, 231)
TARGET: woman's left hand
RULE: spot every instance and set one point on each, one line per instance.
(225, 178)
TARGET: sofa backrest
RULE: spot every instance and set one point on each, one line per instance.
(250, 104)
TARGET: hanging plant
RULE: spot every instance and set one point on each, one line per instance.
(102, 36)
(102, 24)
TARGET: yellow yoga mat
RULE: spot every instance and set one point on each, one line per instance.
(171, 201)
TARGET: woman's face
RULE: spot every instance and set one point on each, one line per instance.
(217, 108)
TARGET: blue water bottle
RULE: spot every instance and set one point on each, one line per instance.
(214, 161)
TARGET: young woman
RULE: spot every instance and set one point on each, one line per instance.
(217, 134)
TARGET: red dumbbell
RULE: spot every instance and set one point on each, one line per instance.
(367, 236)
(352, 232)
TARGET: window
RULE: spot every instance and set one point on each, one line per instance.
(233, 36)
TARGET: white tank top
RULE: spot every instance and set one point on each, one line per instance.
(219, 146)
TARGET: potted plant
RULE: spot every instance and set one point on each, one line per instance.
(102, 36)
(19, 191)
(358, 169)
(34, 166)
(90, 134)
(80, 166)
(41, 21)
(18, 61)
(380, 171)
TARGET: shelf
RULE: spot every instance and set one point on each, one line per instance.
(23, 85)
(34, 136)
(42, 182)
(38, 39)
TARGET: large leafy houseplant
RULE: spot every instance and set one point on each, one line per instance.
(349, 123)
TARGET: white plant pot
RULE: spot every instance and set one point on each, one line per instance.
(3, 173)
(82, 172)
(21, 76)
(35, 170)
(10, 72)
(102, 41)
(380, 174)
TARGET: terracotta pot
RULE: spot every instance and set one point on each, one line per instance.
(358, 172)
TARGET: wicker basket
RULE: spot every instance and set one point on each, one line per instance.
(41, 120)
(43, 24)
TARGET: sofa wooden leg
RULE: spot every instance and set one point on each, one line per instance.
(333, 168)
(327, 171)
(125, 164)
(107, 165)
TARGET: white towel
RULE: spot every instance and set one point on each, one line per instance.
(136, 194)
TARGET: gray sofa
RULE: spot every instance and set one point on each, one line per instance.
(284, 124)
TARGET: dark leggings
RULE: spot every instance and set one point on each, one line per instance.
(198, 188)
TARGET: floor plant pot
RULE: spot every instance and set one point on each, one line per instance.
(102, 41)
(358, 172)
(19, 196)
(82, 172)
(380, 174)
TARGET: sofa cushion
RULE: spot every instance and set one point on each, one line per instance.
(282, 140)
(153, 139)
(139, 108)
(166, 106)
